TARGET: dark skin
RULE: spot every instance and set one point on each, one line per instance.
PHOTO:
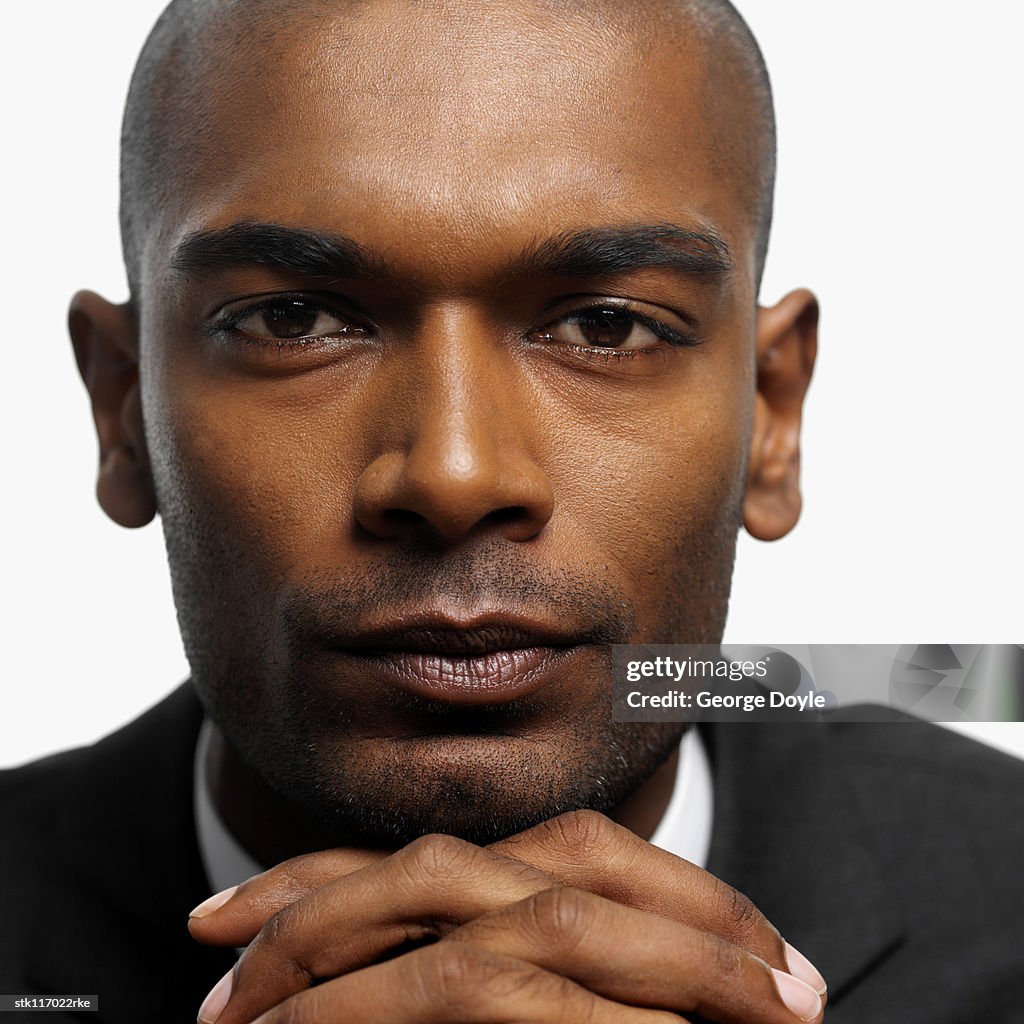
(458, 429)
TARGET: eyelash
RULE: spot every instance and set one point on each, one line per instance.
(227, 323)
(660, 330)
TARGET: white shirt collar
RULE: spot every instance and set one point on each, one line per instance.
(685, 829)
(225, 860)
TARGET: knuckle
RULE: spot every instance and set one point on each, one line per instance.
(437, 857)
(561, 915)
(274, 934)
(584, 833)
(742, 915)
(455, 971)
(274, 944)
(468, 980)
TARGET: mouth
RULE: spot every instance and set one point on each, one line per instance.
(466, 660)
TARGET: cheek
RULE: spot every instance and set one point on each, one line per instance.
(654, 477)
(266, 473)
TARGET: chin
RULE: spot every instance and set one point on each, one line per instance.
(387, 793)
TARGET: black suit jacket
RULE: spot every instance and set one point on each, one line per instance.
(892, 855)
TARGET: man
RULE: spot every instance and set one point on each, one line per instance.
(444, 369)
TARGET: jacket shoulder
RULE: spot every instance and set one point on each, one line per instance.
(100, 844)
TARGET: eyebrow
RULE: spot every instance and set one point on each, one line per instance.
(598, 252)
(316, 253)
(590, 252)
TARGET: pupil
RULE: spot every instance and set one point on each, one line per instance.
(608, 328)
(294, 320)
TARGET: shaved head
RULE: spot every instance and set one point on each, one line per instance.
(198, 47)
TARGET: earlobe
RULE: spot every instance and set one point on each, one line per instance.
(105, 340)
(787, 344)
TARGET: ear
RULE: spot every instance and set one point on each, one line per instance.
(787, 344)
(105, 339)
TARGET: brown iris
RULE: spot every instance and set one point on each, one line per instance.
(290, 319)
(605, 328)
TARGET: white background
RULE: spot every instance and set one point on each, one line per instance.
(900, 171)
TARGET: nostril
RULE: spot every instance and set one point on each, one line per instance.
(400, 521)
(504, 516)
(393, 523)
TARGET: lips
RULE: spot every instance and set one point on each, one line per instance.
(475, 661)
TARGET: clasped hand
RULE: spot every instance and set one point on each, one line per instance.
(574, 920)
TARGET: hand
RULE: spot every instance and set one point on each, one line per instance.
(574, 919)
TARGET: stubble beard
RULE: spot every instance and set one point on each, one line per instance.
(256, 685)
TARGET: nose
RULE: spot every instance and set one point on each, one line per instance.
(463, 466)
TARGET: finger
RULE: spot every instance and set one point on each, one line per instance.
(418, 894)
(234, 916)
(586, 850)
(635, 957)
(456, 984)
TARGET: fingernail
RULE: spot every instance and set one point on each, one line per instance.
(802, 968)
(218, 899)
(215, 1002)
(797, 995)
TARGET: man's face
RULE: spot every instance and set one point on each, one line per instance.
(408, 508)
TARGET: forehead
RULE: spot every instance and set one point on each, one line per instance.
(444, 135)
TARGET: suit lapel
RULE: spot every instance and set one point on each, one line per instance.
(790, 831)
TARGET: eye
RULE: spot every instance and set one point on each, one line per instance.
(286, 319)
(612, 328)
(290, 319)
